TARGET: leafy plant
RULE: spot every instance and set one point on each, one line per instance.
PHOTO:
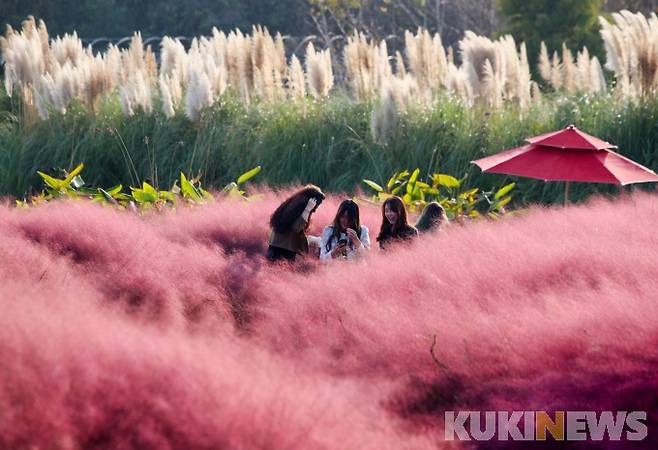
(146, 196)
(444, 189)
(233, 188)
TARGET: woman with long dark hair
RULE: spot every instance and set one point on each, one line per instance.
(432, 218)
(345, 238)
(289, 224)
(395, 226)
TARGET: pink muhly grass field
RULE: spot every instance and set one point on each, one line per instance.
(171, 331)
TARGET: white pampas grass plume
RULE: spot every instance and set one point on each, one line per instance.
(597, 79)
(173, 59)
(556, 72)
(544, 65)
(485, 65)
(367, 66)
(199, 93)
(296, 80)
(41, 105)
(400, 69)
(583, 70)
(524, 79)
(319, 73)
(67, 48)
(167, 100)
(427, 59)
(94, 79)
(384, 117)
(24, 59)
(568, 70)
(632, 52)
(171, 92)
(136, 94)
(458, 85)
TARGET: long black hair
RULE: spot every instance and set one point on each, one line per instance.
(289, 211)
(350, 208)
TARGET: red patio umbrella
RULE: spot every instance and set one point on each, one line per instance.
(568, 155)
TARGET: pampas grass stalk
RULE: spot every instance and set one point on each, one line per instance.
(319, 73)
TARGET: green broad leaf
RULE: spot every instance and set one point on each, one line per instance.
(407, 199)
(51, 181)
(206, 195)
(392, 181)
(105, 195)
(248, 175)
(74, 173)
(168, 196)
(397, 190)
(502, 203)
(502, 192)
(114, 190)
(188, 189)
(143, 196)
(444, 180)
(87, 191)
(403, 175)
(431, 191)
(469, 194)
(412, 181)
(71, 177)
(374, 185)
(148, 188)
(418, 193)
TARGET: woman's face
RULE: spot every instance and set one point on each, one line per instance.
(344, 221)
(390, 214)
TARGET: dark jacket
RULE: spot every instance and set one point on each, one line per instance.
(293, 240)
(405, 233)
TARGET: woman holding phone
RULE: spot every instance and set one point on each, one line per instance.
(345, 238)
(289, 224)
(394, 223)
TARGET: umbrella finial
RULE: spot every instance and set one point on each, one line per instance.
(571, 127)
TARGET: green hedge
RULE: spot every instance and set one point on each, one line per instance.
(327, 143)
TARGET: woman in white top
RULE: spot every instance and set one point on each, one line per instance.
(346, 238)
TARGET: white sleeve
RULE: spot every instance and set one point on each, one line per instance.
(365, 238)
(326, 237)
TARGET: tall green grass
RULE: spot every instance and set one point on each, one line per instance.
(323, 142)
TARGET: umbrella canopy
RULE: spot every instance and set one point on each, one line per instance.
(556, 164)
(572, 138)
(568, 155)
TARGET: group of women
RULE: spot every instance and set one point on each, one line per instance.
(345, 237)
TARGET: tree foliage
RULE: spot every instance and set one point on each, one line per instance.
(116, 18)
(574, 22)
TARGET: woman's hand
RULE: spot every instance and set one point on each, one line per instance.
(338, 251)
(312, 203)
(353, 237)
